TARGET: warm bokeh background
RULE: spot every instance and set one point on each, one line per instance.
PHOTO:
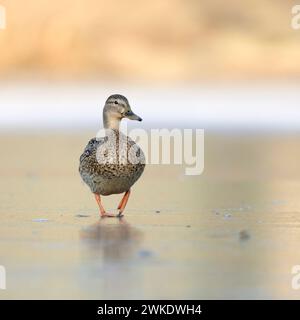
(230, 67)
(139, 40)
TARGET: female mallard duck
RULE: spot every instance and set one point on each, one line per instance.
(113, 163)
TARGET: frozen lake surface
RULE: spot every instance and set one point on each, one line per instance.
(232, 232)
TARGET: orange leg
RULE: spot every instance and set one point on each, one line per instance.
(103, 213)
(123, 203)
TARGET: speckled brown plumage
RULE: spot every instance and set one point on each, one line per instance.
(106, 169)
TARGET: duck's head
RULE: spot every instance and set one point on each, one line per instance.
(116, 108)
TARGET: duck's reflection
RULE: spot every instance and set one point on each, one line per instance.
(109, 261)
(113, 239)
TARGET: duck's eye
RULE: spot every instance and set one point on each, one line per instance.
(116, 102)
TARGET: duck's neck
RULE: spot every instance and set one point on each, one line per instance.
(110, 122)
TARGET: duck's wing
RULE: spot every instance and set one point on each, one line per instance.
(136, 153)
(91, 148)
(89, 165)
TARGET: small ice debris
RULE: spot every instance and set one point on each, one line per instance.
(227, 215)
(145, 253)
(157, 211)
(244, 235)
(40, 220)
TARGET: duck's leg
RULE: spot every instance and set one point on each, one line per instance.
(103, 213)
(123, 203)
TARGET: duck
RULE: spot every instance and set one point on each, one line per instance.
(113, 163)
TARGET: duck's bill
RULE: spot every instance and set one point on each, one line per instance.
(133, 116)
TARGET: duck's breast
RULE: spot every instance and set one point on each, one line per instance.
(112, 164)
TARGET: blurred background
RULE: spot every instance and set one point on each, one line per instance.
(230, 67)
(169, 41)
(227, 62)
